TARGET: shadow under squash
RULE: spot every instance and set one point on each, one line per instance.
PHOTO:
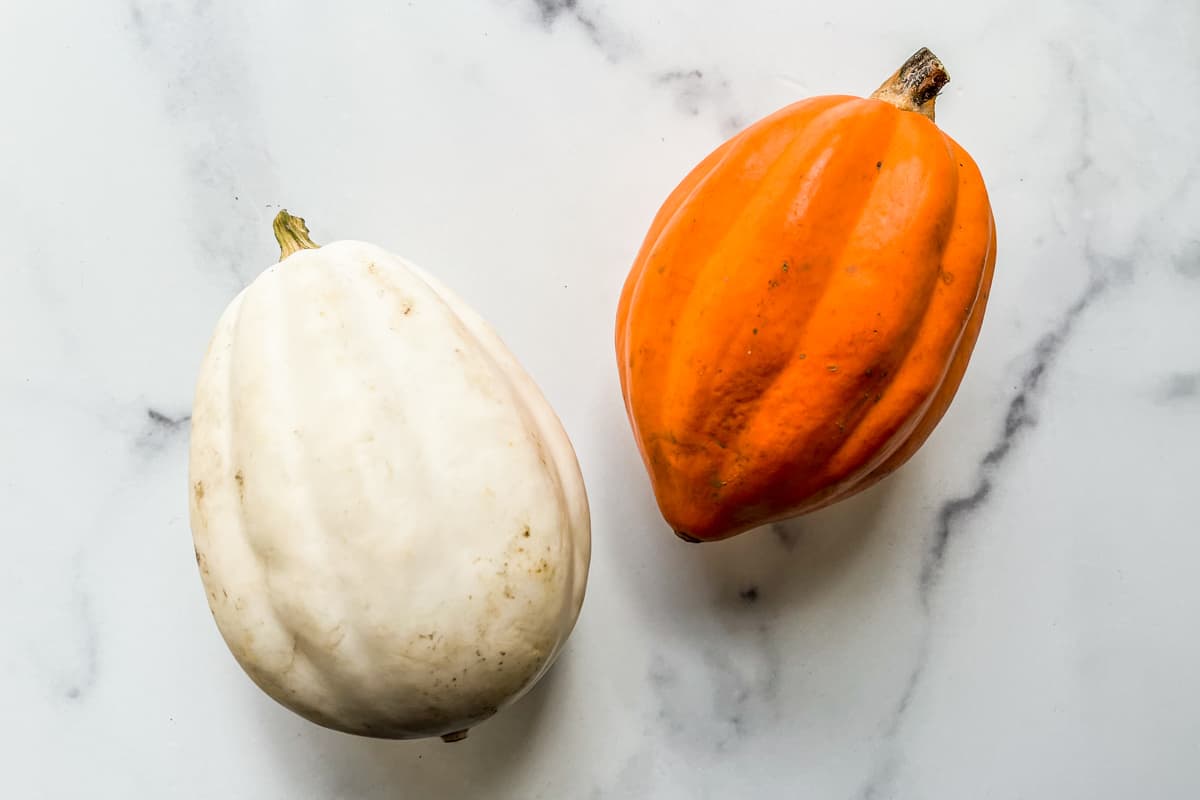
(325, 763)
(777, 566)
(793, 562)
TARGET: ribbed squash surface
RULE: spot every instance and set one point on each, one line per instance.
(802, 311)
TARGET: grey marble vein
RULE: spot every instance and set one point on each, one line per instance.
(741, 679)
(610, 41)
(1018, 417)
(76, 682)
(206, 90)
(954, 512)
(696, 90)
(690, 88)
(160, 429)
(1105, 273)
(740, 694)
(551, 10)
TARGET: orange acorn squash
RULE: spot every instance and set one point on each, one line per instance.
(803, 308)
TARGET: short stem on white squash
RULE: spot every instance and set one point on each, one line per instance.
(915, 86)
(292, 234)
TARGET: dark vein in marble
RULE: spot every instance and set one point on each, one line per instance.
(160, 429)
(1018, 418)
(910, 691)
(171, 423)
(606, 40)
(694, 90)
(1105, 271)
(699, 90)
(691, 89)
(1019, 415)
(954, 512)
(551, 10)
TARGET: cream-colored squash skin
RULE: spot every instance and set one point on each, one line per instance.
(389, 519)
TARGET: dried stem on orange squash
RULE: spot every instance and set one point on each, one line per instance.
(915, 86)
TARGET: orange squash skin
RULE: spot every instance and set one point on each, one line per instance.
(802, 311)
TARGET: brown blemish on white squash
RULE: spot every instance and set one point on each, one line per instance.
(335, 636)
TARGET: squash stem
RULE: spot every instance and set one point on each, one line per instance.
(915, 86)
(292, 234)
(455, 736)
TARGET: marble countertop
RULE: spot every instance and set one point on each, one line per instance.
(1013, 614)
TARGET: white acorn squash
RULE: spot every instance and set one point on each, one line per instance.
(389, 519)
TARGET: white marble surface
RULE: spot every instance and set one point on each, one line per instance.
(1014, 615)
